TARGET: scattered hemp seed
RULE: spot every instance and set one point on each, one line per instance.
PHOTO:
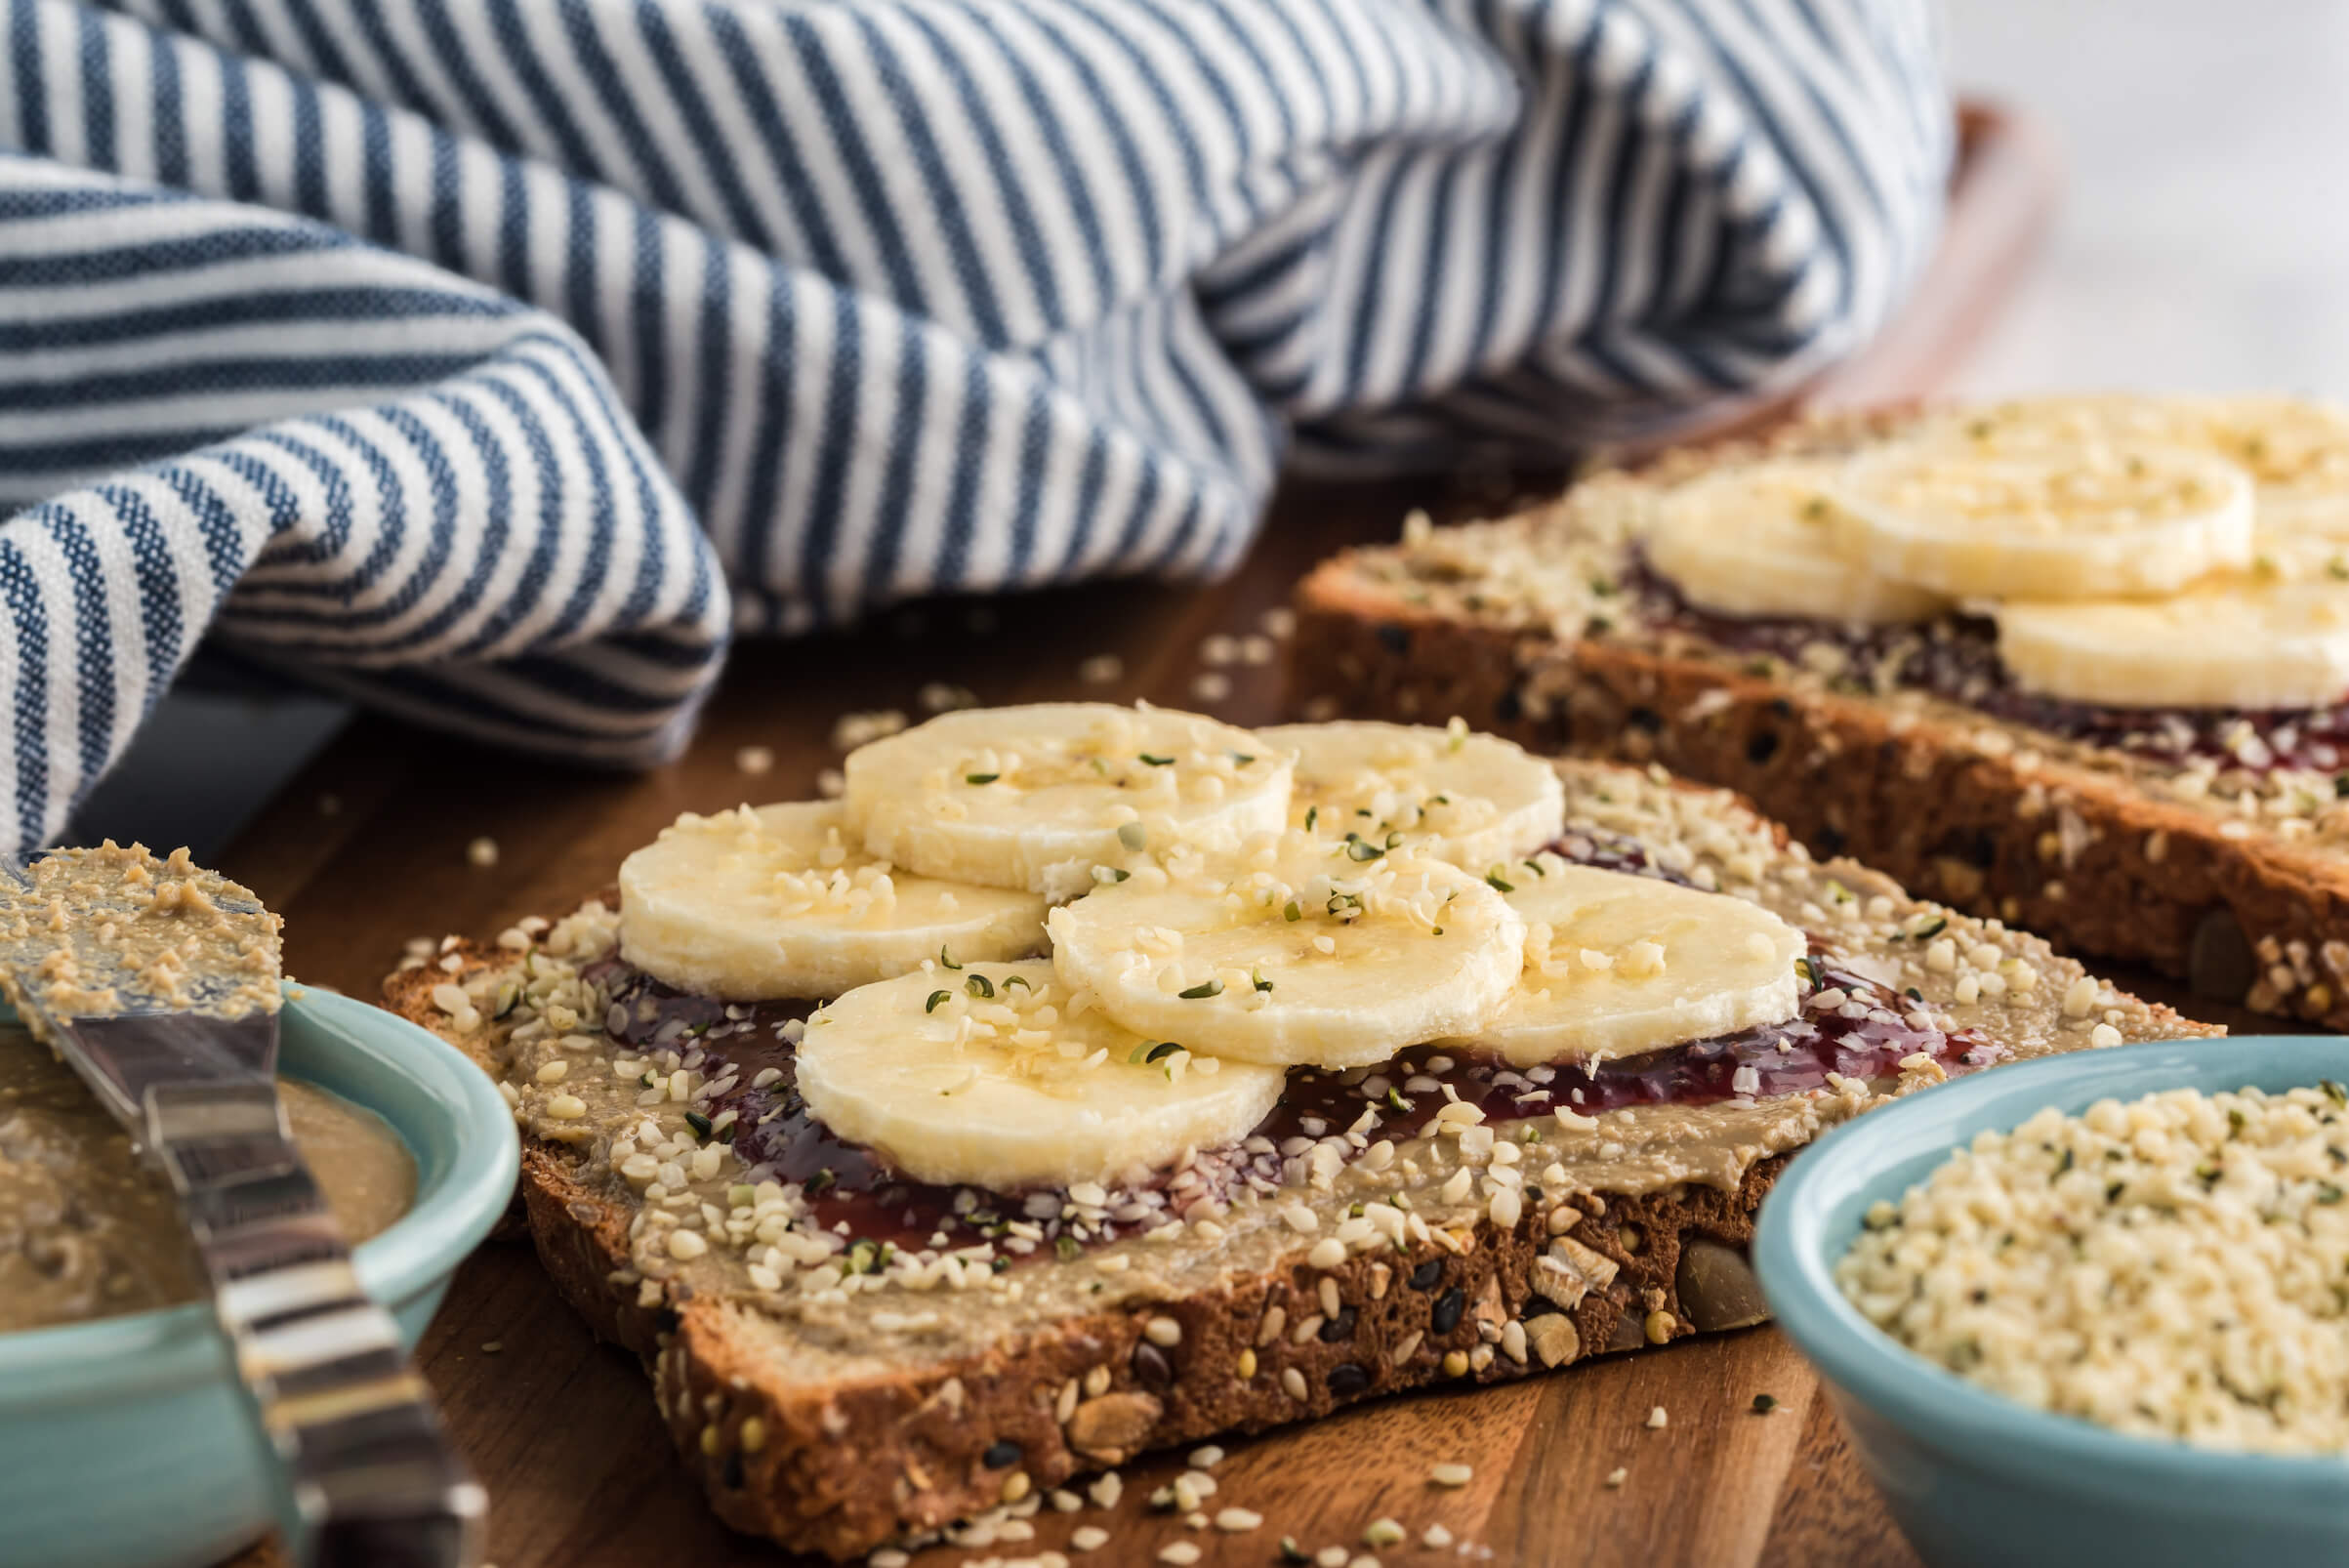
(853, 729)
(1452, 1475)
(482, 851)
(1763, 1404)
(1616, 1476)
(1383, 1532)
(755, 759)
(1102, 670)
(1657, 1419)
(938, 697)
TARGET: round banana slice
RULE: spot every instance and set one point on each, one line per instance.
(996, 1076)
(1454, 794)
(1618, 965)
(1034, 798)
(779, 901)
(1331, 952)
(2287, 444)
(2295, 449)
(2098, 521)
(2231, 643)
(1755, 541)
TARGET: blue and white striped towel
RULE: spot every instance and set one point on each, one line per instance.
(492, 360)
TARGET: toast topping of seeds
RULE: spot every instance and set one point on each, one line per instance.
(709, 1117)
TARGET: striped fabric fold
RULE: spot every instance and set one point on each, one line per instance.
(492, 360)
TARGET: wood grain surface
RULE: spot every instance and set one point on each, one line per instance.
(368, 847)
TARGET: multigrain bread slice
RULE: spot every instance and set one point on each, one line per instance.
(1546, 627)
(842, 1409)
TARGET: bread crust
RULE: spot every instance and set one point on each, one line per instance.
(2081, 857)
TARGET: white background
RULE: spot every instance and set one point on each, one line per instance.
(2202, 238)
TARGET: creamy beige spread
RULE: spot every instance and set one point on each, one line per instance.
(105, 930)
(698, 1225)
(86, 1231)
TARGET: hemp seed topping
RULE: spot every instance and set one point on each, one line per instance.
(2166, 1267)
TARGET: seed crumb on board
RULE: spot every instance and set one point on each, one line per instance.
(1452, 1475)
(482, 851)
(1616, 1476)
(1657, 1420)
(853, 729)
(755, 759)
(1102, 670)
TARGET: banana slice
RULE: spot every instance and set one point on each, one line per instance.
(1618, 965)
(1336, 953)
(778, 901)
(1460, 797)
(2097, 521)
(2287, 444)
(1756, 541)
(2232, 644)
(1035, 798)
(996, 1076)
(2297, 451)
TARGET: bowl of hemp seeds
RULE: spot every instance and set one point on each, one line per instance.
(2093, 1307)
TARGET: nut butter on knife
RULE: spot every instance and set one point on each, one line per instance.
(157, 981)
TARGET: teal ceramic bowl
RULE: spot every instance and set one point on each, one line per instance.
(125, 1443)
(1974, 1479)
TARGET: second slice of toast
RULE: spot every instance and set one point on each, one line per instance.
(1545, 627)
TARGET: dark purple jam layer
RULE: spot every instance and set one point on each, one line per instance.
(1957, 660)
(1863, 1036)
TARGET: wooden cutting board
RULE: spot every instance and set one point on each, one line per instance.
(368, 847)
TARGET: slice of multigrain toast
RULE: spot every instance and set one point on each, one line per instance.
(1548, 627)
(847, 1396)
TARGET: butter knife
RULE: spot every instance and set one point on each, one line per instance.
(157, 981)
